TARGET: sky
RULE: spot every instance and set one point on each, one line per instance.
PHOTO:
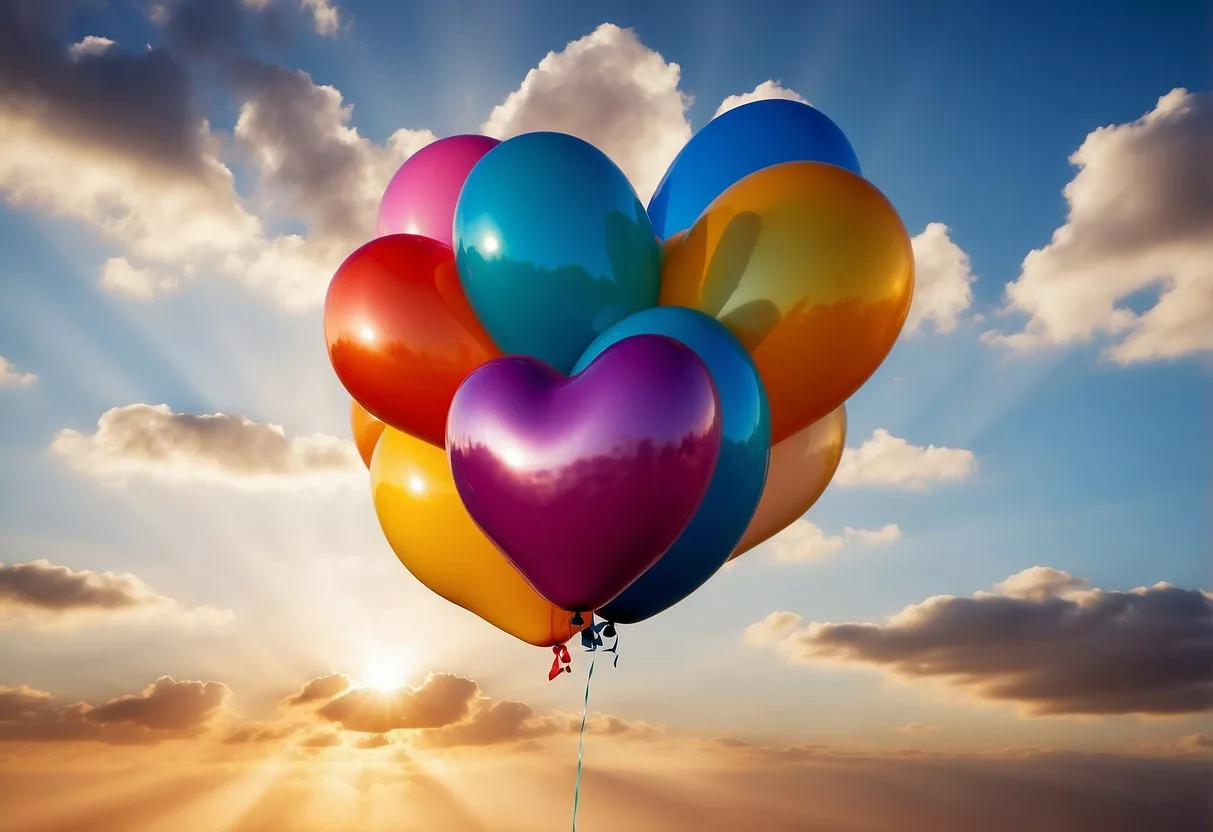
(1006, 586)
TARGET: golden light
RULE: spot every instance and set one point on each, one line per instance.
(383, 674)
(366, 333)
(416, 484)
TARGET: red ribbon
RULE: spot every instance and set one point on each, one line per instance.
(561, 661)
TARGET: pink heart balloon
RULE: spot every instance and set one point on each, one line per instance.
(420, 199)
(585, 482)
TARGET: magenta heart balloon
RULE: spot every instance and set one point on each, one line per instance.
(584, 482)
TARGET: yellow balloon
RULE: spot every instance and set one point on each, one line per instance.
(366, 429)
(801, 468)
(431, 532)
(810, 266)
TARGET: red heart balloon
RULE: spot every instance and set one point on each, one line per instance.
(401, 334)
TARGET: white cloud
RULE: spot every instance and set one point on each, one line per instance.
(41, 595)
(120, 277)
(91, 45)
(326, 17)
(1140, 214)
(152, 441)
(943, 281)
(10, 376)
(804, 541)
(611, 90)
(767, 89)
(888, 460)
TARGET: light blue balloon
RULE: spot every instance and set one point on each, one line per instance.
(741, 469)
(553, 246)
(735, 144)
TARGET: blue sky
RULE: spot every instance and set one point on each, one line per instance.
(962, 113)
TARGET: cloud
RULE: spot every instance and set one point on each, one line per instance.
(90, 46)
(326, 17)
(611, 90)
(767, 89)
(309, 156)
(153, 441)
(804, 541)
(330, 739)
(1140, 210)
(114, 140)
(43, 595)
(10, 376)
(445, 711)
(1043, 640)
(318, 691)
(442, 700)
(255, 733)
(165, 709)
(890, 461)
(943, 281)
(372, 741)
(917, 727)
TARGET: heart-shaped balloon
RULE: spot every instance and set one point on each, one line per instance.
(584, 482)
(400, 333)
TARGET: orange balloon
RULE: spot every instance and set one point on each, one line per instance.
(366, 429)
(801, 468)
(810, 266)
(401, 335)
(431, 532)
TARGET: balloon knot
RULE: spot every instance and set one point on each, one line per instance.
(577, 620)
(592, 639)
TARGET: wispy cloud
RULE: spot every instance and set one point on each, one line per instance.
(805, 541)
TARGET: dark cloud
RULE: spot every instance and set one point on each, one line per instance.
(1044, 640)
(45, 586)
(442, 700)
(490, 723)
(318, 690)
(42, 594)
(166, 709)
(133, 103)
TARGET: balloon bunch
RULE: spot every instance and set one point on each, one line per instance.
(572, 406)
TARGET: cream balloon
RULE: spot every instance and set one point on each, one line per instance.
(800, 470)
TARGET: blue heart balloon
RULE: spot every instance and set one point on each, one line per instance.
(735, 144)
(553, 246)
(741, 468)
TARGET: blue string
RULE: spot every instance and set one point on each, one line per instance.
(585, 709)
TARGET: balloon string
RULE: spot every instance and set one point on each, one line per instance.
(585, 709)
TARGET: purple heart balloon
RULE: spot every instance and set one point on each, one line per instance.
(584, 482)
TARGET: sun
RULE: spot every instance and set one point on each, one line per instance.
(383, 675)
